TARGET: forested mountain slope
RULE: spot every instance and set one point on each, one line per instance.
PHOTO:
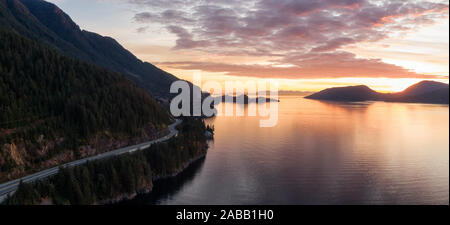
(54, 108)
(44, 21)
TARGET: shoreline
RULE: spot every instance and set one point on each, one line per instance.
(123, 176)
(148, 190)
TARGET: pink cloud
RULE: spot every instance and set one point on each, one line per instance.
(308, 35)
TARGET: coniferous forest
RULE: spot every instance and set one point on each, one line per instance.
(51, 105)
(57, 107)
(119, 177)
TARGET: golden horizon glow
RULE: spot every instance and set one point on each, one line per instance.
(395, 50)
(422, 50)
(384, 85)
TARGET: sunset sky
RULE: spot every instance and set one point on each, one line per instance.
(305, 45)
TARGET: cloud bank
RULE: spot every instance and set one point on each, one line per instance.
(303, 39)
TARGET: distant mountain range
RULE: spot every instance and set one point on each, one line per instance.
(422, 92)
(294, 93)
(45, 22)
(246, 99)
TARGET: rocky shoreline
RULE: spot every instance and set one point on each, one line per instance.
(119, 178)
(148, 190)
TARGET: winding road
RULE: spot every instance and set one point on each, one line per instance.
(11, 186)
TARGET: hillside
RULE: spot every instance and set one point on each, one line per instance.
(55, 109)
(352, 93)
(422, 92)
(120, 177)
(43, 21)
(438, 96)
(423, 87)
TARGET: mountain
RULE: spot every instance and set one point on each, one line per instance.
(422, 92)
(45, 22)
(352, 93)
(423, 87)
(425, 91)
(55, 109)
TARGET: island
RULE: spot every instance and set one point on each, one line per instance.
(422, 92)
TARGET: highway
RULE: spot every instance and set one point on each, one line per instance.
(11, 186)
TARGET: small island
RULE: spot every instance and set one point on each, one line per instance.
(245, 99)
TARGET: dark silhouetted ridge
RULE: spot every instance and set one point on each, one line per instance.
(352, 93)
(422, 92)
(45, 22)
(424, 87)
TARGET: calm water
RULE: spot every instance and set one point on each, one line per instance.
(321, 153)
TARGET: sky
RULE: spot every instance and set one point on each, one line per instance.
(304, 45)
